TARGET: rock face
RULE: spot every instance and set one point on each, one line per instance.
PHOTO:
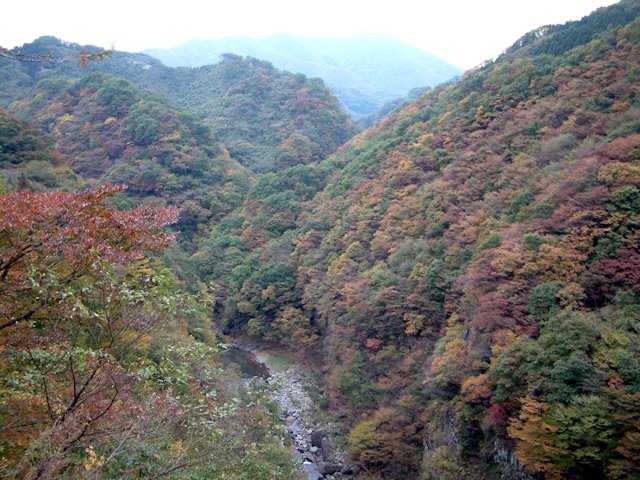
(328, 448)
(317, 437)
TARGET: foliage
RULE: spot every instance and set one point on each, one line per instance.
(28, 160)
(472, 249)
(106, 129)
(441, 464)
(256, 111)
(99, 376)
(467, 270)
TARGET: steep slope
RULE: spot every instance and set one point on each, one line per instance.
(108, 368)
(468, 270)
(28, 159)
(108, 130)
(263, 116)
(364, 71)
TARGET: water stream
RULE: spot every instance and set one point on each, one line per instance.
(246, 361)
(319, 458)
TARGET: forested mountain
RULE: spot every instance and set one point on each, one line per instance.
(109, 365)
(464, 275)
(263, 116)
(179, 136)
(364, 71)
(467, 270)
(106, 129)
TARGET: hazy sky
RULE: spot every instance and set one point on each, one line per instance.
(464, 32)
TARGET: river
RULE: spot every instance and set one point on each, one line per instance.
(313, 432)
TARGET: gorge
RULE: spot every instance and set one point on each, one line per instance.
(214, 272)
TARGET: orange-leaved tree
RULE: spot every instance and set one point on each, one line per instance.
(76, 296)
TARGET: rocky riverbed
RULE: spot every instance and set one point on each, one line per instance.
(315, 435)
(315, 440)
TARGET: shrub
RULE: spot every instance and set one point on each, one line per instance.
(542, 299)
(492, 241)
(531, 241)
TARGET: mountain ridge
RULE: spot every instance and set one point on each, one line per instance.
(365, 71)
(263, 105)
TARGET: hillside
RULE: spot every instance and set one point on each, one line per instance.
(390, 107)
(263, 116)
(462, 277)
(109, 367)
(364, 72)
(106, 129)
(466, 271)
(28, 159)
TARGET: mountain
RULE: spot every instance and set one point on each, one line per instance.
(391, 106)
(267, 119)
(464, 274)
(109, 367)
(364, 71)
(106, 129)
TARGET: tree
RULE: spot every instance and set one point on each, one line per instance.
(55, 240)
(76, 297)
(563, 441)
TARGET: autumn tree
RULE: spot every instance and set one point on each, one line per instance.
(77, 296)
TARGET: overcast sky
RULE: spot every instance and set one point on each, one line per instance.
(463, 32)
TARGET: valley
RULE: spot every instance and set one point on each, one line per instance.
(212, 271)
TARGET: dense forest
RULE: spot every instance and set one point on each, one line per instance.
(108, 367)
(467, 268)
(28, 159)
(261, 115)
(464, 274)
(111, 367)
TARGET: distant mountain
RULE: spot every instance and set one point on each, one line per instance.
(265, 118)
(390, 107)
(365, 71)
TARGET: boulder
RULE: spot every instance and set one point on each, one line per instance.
(328, 468)
(328, 448)
(349, 470)
(316, 438)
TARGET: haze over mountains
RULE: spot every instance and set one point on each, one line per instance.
(364, 71)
